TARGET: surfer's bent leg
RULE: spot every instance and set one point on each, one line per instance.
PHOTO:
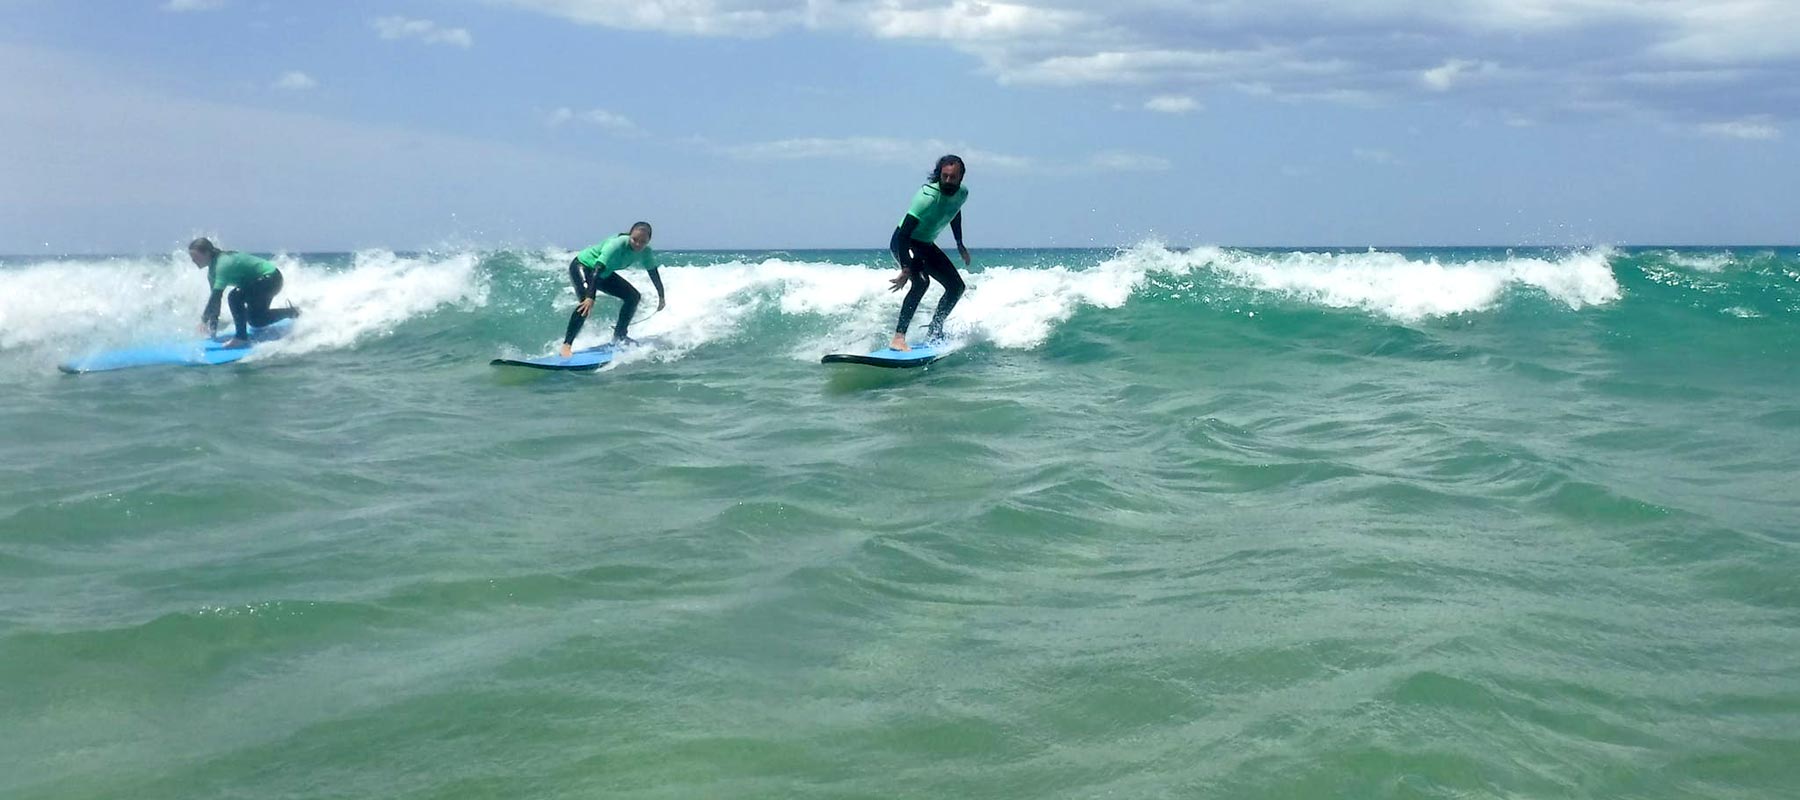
(240, 313)
(261, 295)
(922, 256)
(581, 278)
(938, 266)
(616, 285)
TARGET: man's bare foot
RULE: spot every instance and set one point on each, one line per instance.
(568, 350)
(899, 343)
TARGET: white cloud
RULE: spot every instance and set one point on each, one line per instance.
(423, 30)
(1558, 54)
(599, 118)
(951, 20)
(1454, 71)
(691, 17)
(971, 21)
(295, 80)
(193, 5)
(1160, 66)
(1171, 104)
(1731, 31)
(1752, 129)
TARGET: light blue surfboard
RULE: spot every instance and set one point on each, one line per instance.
(193, 352)
(583, 360)
(918, 356)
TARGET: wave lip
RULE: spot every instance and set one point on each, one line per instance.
(379, 291)
(1395, 286)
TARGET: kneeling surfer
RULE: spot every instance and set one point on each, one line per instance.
(254, 283)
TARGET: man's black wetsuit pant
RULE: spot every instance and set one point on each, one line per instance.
(928, 261)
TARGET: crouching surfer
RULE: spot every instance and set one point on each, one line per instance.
(254, 283)
(596, 270)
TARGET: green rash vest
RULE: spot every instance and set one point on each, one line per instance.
(934, 210)
(616, 254)
(238, 269)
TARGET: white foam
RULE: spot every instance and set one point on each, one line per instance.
(711, 304)
(67, 306)
(1019, 308)
(379, 291)
(77, 302)
(1395, 286)
(1009, 307)
(1703, 262)
(850, 307)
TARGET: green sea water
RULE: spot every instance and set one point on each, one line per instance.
(1461, 523)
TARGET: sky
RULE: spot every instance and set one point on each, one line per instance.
(129, 127)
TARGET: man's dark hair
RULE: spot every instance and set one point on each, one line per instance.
(937, 172)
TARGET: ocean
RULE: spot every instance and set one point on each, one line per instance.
(1174, 522)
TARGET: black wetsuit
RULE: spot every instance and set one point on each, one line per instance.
(922, 260)
(588, 286)
(250, 305)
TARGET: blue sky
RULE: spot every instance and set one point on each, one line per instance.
(131, 126)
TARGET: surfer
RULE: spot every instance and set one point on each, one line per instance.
(254, 284)
(596, 270)
(938, 202)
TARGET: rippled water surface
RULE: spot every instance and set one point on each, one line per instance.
(1207, 523)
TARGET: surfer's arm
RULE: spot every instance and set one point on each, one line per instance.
(902, 235)
(578, 276)
(956, 230)
(902, 253)
(656, 280)
(211, 314)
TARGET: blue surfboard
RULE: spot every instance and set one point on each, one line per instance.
(918, 356)
(193, 352)
(584, 360)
